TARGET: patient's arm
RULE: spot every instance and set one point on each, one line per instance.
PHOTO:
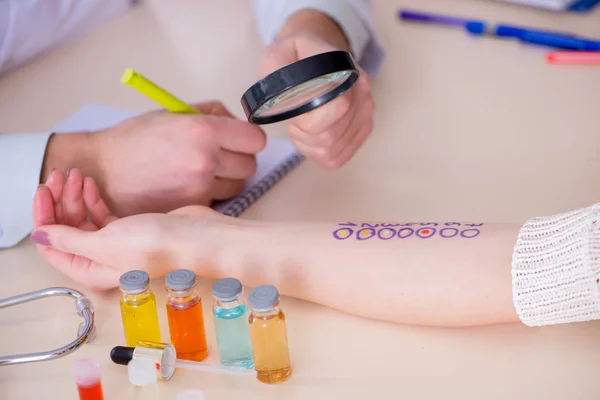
(431, 273)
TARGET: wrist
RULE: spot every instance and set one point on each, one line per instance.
(69, 150)
(315, 23)
(226, 247)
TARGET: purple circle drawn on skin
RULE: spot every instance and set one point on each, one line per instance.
(340, 235)
(360, 236)
(452, 223)
(404, 236)
(426, 235)
(442, 234)
(386, 233)
(476, 233)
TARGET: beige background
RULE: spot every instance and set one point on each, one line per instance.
(465, 128)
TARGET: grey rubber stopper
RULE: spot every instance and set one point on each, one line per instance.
(227, 289)
(262, 298)
(134, 280)
(180, 279)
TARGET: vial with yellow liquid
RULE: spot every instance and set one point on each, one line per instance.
(138, 309)
(269, 336)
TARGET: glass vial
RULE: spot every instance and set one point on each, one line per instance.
(138, 308)
(87, 379)
(231, 324)
(269, 337)
(142, 375)
(184, 312)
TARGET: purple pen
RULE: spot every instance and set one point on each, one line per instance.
(539, 37)
(474, 27)
(432, 18)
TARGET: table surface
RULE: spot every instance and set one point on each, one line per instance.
(465, 128)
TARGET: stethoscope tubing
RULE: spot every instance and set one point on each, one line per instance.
(84, 308)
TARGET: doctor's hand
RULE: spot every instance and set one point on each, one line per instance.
(160, 161)
(333, 133)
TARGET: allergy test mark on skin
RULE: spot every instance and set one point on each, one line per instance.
(419, 230)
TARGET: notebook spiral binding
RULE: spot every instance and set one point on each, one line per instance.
(247, 198)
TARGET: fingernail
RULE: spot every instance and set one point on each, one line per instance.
(67, 174)
(50, 174)
(40, 237)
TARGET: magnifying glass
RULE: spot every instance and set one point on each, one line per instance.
(300, 87)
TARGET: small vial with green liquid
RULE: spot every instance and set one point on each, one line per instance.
(231, 324)
(138, 309)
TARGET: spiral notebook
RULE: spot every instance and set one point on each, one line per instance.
(273, 163)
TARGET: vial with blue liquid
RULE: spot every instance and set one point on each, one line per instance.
(231, 324)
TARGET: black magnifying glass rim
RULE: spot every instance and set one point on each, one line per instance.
(296, 74)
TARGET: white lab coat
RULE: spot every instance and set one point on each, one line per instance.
(31, 27)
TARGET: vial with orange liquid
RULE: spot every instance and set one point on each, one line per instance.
(268, 334)
(138, 308)
(186, 319)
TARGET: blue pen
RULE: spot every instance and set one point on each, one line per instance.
(556, 40)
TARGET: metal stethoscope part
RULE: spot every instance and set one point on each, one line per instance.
(84, 308)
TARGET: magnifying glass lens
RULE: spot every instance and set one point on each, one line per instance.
(302, 94)
(300, 87)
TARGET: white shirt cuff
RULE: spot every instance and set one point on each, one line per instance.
(21, 159)
(556, 267)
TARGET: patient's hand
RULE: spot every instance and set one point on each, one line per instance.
(77, 234)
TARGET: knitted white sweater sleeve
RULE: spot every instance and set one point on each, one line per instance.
(556, 268)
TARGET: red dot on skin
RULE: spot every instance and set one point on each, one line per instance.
(425, 231)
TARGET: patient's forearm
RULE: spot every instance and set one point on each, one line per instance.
(445, 274)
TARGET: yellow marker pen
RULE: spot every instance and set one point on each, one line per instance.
(151, 90)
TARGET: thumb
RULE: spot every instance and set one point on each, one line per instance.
(67, 240)
(287, 50)
(277, 55)
(74, 252)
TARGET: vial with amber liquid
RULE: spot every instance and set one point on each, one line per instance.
(186, 319)
(269, 336)
(138, 308)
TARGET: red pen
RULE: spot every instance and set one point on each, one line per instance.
(573, 57)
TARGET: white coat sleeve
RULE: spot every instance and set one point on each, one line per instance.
(353, 16)
(21, 158)
(29, 28)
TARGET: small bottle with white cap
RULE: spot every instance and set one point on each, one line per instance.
(143, 376)
(185, 315)
(191, 394)
(231, 323)
(269, 336)
(138, 308)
